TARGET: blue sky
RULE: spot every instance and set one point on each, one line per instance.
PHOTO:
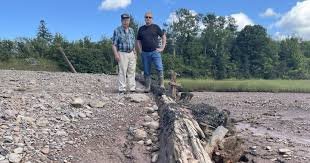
(97, 18)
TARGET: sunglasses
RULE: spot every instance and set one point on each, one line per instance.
(148, 17)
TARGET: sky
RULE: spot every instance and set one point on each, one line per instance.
(76, 19)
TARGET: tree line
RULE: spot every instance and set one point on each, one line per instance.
(198, 46)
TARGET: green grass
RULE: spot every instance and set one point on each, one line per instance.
(298, 86)
(21, 64)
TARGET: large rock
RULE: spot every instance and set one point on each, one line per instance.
(154, 157)
(284, 151)
(150, 110)
(77, 102)
(10, 114)
(154, 125)
(15, 158)
(4, 161)
(7, 139)
(97, 104)
(45, 150)
(3, 152)
(138, 98)
(139, 134)
(148, 118)
(2, 158)
(82, 115)
(19, 150)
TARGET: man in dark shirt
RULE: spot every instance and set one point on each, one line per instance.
(148, 41)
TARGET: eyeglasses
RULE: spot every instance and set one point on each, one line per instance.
(148, 17)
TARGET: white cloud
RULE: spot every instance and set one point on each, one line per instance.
(242, 20)
(114, 4)
(280, 36)
(297, 20)
(172, 18)
(269, 13)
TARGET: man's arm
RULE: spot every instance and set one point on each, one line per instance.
(114, 48)
(139, 46)
(115, 52)
(164, 39)
(138, 42)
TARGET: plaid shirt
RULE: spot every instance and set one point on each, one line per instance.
(124, 41)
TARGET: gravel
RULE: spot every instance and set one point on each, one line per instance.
(66, 117)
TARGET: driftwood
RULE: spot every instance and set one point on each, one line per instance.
(193, 133)
(180, 137)
(217, 137)
(72, 69)
(185, 140)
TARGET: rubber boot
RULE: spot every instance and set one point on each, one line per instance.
(147, 84)
(161, 79)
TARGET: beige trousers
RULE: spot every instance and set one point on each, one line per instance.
(127, 69)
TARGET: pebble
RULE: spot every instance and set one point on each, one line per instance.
(284, 151)
(154, 157)
(253, 147)
(140, 134)
(2, 158)
(148, 142)
(141, 142)
(45, 150)
(15, 158)
(19, 150)
(154, 125)
(82, 115)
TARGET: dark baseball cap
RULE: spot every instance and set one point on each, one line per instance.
(125, 16)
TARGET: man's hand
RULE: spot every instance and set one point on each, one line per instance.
(117, 57)
(116, 54)
(138, 46)
(159, 50)
(135, 53)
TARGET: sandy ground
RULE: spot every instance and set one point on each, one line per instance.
(267, 122)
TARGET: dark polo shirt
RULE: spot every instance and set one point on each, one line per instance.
(148, 35)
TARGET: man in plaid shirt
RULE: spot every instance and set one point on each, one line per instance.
(124, 52)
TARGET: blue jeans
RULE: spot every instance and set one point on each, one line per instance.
(151, 57)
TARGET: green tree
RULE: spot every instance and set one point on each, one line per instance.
(217, 39)
(305, 48)
(6, 49)
(43, 32)
(184, 41)
(25, 48)
(183, 32)
(252, 54)
(43, 41)
(291, 59)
